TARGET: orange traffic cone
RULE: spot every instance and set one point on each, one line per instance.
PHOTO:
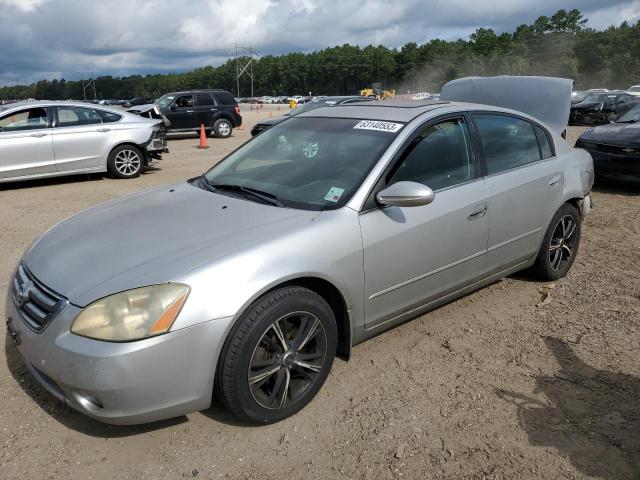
(203, 138)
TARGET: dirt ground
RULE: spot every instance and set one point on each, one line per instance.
(518, 380)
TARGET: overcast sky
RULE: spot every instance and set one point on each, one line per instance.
(64, 38)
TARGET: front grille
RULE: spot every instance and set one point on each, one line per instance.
(607, 148)
(37, 304)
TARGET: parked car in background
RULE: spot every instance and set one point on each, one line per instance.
(420, 96)
(46, 139)
(615, 148)
(137, 101)
(185, 111)
(321, 232)
(267, 123)
(634, 90)
(579, 95)
(601, 108)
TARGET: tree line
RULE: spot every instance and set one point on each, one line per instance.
(560, 45)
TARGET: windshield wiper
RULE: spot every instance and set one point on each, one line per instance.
(266, 197)
(633, 120)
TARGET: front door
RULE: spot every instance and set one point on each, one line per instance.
(182, 113)
(414, 255)
(25, 143)
(80, 140)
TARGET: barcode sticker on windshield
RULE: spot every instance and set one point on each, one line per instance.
(378, 126)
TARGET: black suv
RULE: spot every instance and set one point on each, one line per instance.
(216, 109)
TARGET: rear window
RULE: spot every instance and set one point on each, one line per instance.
(543, 140)
(224, 98)
(204, 99)
(77, 116)
(507, 142)
(109, 117)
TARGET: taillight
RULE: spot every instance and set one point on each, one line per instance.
(238, 109)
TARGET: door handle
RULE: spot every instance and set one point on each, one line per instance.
(103, 130)
(38, 135)
(554, 180)
(189, 111)
(478, 211)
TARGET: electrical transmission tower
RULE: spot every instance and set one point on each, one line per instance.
(244, 66)
(89, 84)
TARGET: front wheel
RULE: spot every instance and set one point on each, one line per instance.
(222, 128)
(560, 245)
(278, 355)
(125, 161)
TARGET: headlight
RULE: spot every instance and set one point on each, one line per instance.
(132, 315)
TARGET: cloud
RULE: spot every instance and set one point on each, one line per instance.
(53, 38)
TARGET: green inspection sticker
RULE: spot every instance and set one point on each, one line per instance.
(334, 194)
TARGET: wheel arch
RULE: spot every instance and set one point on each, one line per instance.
(331, 294)
(130, 143)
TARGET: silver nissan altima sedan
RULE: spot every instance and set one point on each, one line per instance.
(319, 233)
(48, 139)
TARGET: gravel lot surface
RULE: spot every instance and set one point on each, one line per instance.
(518, 380)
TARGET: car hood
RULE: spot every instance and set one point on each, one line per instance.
(625, 134)
(273, 121)
(142, 108)
(545, 98)
(149, 238)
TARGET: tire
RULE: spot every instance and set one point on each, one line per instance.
(222, 128)
(125, 161)
(560, 245)
(260, 380)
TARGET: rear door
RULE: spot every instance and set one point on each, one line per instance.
(206, 109)
(525, 183)
(80, 140)
(26, 143)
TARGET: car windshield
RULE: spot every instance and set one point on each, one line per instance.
(632, 116)
(306, 163)
(600, 97)
(164, 101)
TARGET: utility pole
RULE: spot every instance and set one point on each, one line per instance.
(242, 67)
(89, 84)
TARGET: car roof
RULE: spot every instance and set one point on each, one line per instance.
(405, 111)
(58, 103)
(196, 90)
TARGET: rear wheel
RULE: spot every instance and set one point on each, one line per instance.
(278, 355)
(125, 161)
(222, 128)
(560, 245)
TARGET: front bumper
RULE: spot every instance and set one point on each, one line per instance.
(616, 166)
(122, 383)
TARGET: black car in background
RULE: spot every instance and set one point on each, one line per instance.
(185, 111)
(263, 125)
(615, 148)
(601, 108)
(137, 101)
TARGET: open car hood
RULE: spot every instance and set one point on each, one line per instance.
(545, 98)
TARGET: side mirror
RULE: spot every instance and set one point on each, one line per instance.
(406, 194)
(174, 107)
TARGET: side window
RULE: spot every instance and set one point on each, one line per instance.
(31, 119)
(204, 99)
(440, 157)
(184, 101)
(507, 142)
(109, 117)
(77, 116)
(543, 140)
(224, 98)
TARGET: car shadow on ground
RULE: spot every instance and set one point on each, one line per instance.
(65, 414)
(591, 416)
(63, 180)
